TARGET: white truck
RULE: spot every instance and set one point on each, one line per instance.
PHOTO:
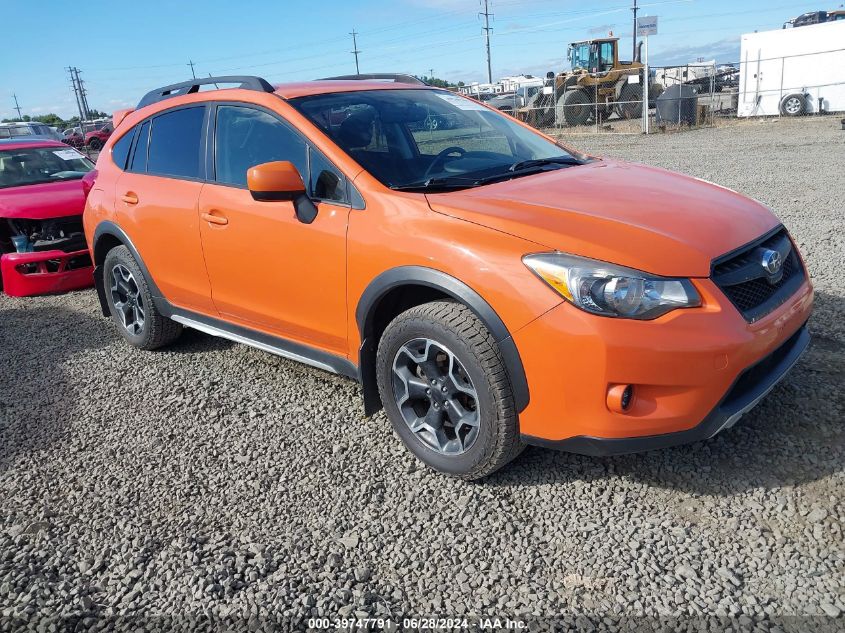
(792, 72)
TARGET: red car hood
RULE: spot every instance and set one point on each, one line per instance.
(637, 216)
(43, 201)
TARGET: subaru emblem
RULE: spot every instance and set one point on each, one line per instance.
(771, 262)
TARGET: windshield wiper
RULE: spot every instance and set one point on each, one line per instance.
(542, 162)
(520, 168)
(438, 183)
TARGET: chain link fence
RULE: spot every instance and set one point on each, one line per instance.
(87, 137)
(791, 85)
(684, 96)
(679, 97)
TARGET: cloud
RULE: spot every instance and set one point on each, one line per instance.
(723, 51)
(602, 30)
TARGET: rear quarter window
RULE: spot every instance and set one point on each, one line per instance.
(120, 150)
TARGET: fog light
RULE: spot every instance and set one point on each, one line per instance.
(619, 398)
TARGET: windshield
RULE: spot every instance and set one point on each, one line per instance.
(581, 56)
(29, 166)
(409, 138)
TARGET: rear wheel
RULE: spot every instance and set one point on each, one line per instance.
(131, 304)
(446, 390)
(95, 143)
(793, 105)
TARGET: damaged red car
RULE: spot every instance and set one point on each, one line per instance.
(43, 185)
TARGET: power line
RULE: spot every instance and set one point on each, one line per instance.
(487, 15)
(17, 106)
(355, 50)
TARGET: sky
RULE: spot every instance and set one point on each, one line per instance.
(125, 49)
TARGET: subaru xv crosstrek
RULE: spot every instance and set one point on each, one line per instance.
(486, 285)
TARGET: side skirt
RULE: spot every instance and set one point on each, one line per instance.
(266, 342)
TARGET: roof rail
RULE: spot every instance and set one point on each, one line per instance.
(396, 77)
(188, 87)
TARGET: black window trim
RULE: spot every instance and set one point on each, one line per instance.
(211, 153)
(134, 147)
(207, 150)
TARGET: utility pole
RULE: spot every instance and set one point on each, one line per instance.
(634, 32)
(191, 64)
(17, 107)
(355, 50)
(82, 94)
(71, 70)
(431, 73)
(487, 28)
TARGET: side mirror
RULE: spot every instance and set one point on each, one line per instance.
(280, 180)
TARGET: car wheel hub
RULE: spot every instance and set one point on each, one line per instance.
(435, 396)
(127, 299)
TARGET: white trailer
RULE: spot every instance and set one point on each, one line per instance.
(792, 72)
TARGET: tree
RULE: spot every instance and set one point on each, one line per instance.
(438, 83)
(96, 114)
(49, 119)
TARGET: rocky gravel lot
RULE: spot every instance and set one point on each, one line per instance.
(212, 481)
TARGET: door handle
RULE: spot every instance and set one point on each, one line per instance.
(129, 198)
(215, 219)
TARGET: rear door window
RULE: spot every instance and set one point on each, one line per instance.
(175, 142)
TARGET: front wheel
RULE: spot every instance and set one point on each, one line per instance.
(95, 144)
(446, 390)
(131, 304)
(630, 105)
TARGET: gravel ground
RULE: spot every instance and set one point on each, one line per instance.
(212, 480)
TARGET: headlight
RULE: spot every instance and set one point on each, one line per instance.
(610, 290)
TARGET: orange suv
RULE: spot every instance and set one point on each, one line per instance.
(487, 286)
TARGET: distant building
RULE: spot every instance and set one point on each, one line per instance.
(512, 84)
(504, 85)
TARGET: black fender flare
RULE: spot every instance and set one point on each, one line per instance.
(110, 229)
(458, 290)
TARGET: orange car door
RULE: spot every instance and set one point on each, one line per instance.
(157, 200)
(267, 269)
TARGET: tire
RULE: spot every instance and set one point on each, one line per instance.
(630, 104)
(95, 144)
(794, 105)
(538, 111)
(476, 385)
(573, 107)
(654, 93)
(131, 304)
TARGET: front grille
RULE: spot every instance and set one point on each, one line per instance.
(746, 283)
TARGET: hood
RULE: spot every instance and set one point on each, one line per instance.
(43, 201)
(628, 214)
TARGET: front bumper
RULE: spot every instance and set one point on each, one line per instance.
(752, 386)
(681, 366)
(45, 272)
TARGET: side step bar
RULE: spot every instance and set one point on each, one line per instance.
(268, 343)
